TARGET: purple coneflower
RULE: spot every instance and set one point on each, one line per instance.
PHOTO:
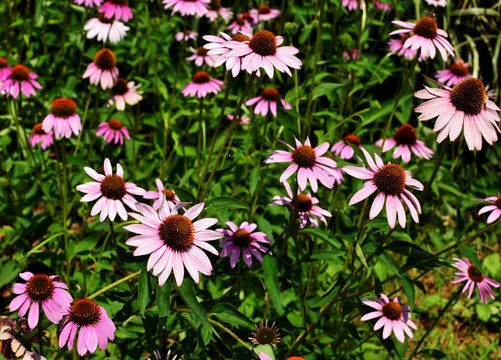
(442, 3)
(63, 118)
(40, 291)
(5, 70)
(389, 182)
(353, 4)
(116, 8)
(124, 92)
(215, 9)
(10, 346)
(382, 5)
(201, 85)
(241, 119)
(187, 35)
(163, 194)
(464, 107)
(397, 46)
(103, 27)
(113, 131)
(393, 316)
(88, 3)
(38, 135)
(200, 56)
(112, 191)
(454, 74)
(198, 8)
(267, 101)
(343, 148)
(241, 24)
(494, 208)
(217, 48)
(352, 55)
(103, 69)
(473, 276)
(264, 13)
(405, 139)
(20, 79)
(173, 241)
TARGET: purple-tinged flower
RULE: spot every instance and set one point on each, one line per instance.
(397, 46)
(494, 208)
(241, 119)
(242, 239)
(353, 4)
(20, 79)
(305, 205)
(42, 291)
(124, 92)
(103, 69)
(393, 316)
(113, 130)
(201, 85)
(200, 56)
(405, 139)
(442, 3)
(38, 135)
(464, 107)
(63, 118)
(173, 241)
(163, 194)
(241, 24)
(343, 148)
(5, 70)
(473, 276)
(198, 8)
(267, 101)
(91, 321)
(264, 13)
(88, 3)
(116, 8)
(382, 5)
(389, 182)
(454, 74)
(215, 9)
(159, 357)
(104, 28)
(112, 191)
(10, 346)
(187, 35)
(352, 55)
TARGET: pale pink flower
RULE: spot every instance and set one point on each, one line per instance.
(241, 119)
(124, 92)
(116, 8)
(63, 118)
(88, 3)
(464, 107)
(353, 4)
(344, 149)
(187, 35)
(5, 70)
(103, 69)
(393, 317)
(454, 74)
(198, 8)
(473, 276)
(494, 208)
(442, 3)
(264, 13)
(218, 49)
(405, 139)
(163, 195)
(38, 135)
(173, 241)
(389, 182)
(267, 101)
(263, 356)
(113, 130)
(201, 85)
(200, 56)
(112, 191)
(309, 163)
(19, 79)
(241, 24)
(397, 46)
(215, 9)
(102, 28)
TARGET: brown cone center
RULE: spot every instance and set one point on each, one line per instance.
(177, 232)
(201, 51)
(264, 43)
(115, 124)
(240, 38)
(6, 349)
(264, 9)
(240, 21)
(37, 129)
(201, 77)
(40, 287)
(120, 87)
(118, 2)
(3, 63)
(474, 274)
(20, 73)
(426, 27)
(392, 310)
(241, 238)
(113, 187)
(105, 59)
(169, 194)
(353, 139)
(270, 94)
(469, 96)
(303, 203)
(215, 5)
(459, 68)
(498, 202)
(104, 19)
(63, 107)
(84, 312)
(304, 156)
(406, 134)
(390, 179)
(265, 335)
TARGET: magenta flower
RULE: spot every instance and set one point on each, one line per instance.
(173, 241)
(112, 191)
(218, 49)
(104, 28)
(456, 73)
(198, 8)
(103, 69)
(19, 79)
(442, 3)
(405, 139)
(215, 9)
(267, 101)
(163, 194)
(38, 135)
(241, 239)
(88, 3)
(93, 322)
(159, 357)
(241, 24)
(464, 107)
(124, 92)
(5, 70)
(200, 56)
(308, 162)
(201, 85)
(113, 130)
(63, 118)
(397, 46)
(241, 119)
(427, 37)
(495, 208)
(393, 316)
(343, 148)
(188, 34)
(116, 8)
(353, 4)
(305, 205)
(382, 5)
(389, 182)
(43, 290)
(264, 51)
(473, 276)
(264, 13)
(352, 55)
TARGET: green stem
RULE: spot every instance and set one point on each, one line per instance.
(115, 284)
(232, 334)
(435, 170)
(199, 140)
(64, 194)
(43, 243)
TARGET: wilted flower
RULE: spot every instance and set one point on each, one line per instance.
(265, 334)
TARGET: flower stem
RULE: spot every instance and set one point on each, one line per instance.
(43, 243)
(199, 140)
(435, 170)
(115, 284)
(232, 334)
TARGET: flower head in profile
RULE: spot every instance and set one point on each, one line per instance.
(218, 49)
(116, 8)
(159, 357)
(40, 289)
(243, 239)
(113, 131)
(427, 37)
(63, 118)
(305, 205)
(92, 323)
(88, 3)
(242, 24)
(38, 135)
(389, 182)
(397, 46)
(353, 4)
(19, 79)
(111, 190)
(202, 85)
(10, 346)
(241, 119)
(474, 277)
(265, 334)
(163, 194)
(344, 149)
(464, 107)
(352, 55)
(173, 241)
(381, 5)
(124, 92)
(442, 3)
(198, 8)
(494, 208)
(103, 69)
(102, 28)
(264, 13)
(393, 316)
(309, 163)
(215, 9)
(201, 56)
(5, 70)
(267, 101)
(454, 74)
(405, 139)
(186, 35)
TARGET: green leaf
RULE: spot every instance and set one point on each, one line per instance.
(143, 291)
(183, 194)
(361, 255)
(408, 286)
(460, 228)
(9, 272)
(475, 12)
(483, 311)
(86, 244)
(383, 256)
(229, 314)
(435, 354)
(320, 255)
(186, 292)
(267, 349)
(254, 180)
(325, 89)
(223, 203)
(470, 254)
(163, 299)
(271, 282)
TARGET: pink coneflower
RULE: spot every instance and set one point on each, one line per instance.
(216, 9)
(217, 48)
(159, 357)
(116, 8)
(305, 205)
(201, 85)
(241, 119)
(389, 182)
(20, 79)
(353, 4)
(93, 322)
(111, 190)
(124, 92)
(198, 8)
(241, 239)
(173, 241)
(265, 334)
(495, 208)
(437, 2)
(343, 148)
(381, 5)
(405, 139)
(264, 51)
(465, 106)
(200, 56)
(426, 37)
(113, 130)
(10, 346)
(456, 73)
(393, 316)
(267, 101)
(187, 35)
(263, 356)
(163, 194)
(63, 118)
(264, 13)
(351, 56)
(40, 290)
(5, 70)
(88, 3)
(397, 46)
(241, 24)
(38, 135)
(103, 69)
(308, 162)
(102, 27)
(473, 276)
